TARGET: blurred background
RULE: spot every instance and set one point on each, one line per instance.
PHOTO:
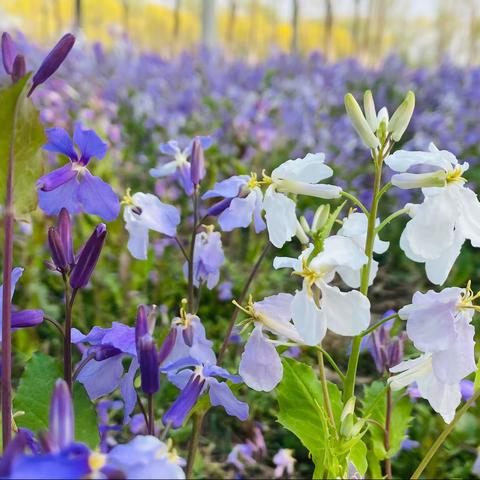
(421, 32)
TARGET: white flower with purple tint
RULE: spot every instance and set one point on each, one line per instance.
(319, 306)
(449, 214)
(284, 462)
(144, 212)
(180, 165)
(260, 365)
(72, 186)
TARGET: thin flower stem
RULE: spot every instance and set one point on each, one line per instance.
(165, 431)
(349, 387)
(142, 410)
(67, 341)
(241, 299)
(442, 437)
(7, 290)
(391, 217)
(81, 365)
(55, 324)
(151, 416)
(386, 441)
(326, 395)
(192, 252)
(384, 190)
(331, 361)
(368, 331)
(356, 201)
(192, 449)
(182, 248)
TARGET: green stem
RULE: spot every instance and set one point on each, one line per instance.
(195, 439)
(384, 190)
(356, 201)
(326, 395)
(378, 324)
(386, 438)
(442, 437)
(391, 217)
(331, 361)
(349, 389)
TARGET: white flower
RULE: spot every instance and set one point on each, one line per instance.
(144, 212)
(449, 214)
(345, 313)
(355, 226)
(300, 176)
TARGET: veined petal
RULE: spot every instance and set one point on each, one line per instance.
(89, 144)
(346, 313)
(280, 216)
(59, 141)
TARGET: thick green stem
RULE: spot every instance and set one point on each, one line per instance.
(349, 389)
(443, 436)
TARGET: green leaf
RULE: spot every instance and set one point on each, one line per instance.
(23, 131)
(358, 456)
(35, 392)
(476, 382)
(374, 406)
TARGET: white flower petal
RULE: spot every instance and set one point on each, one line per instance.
(309, 169)
(280, 216)
(402, 160)
(469, 219)
(308, 319)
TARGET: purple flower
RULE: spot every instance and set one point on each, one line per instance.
(225, 291)
(180, 166)
(241, 455)
(239, 206)
(22, 318)
(284, 462)
(208, 257)
(9, 52)
(197, 381)
(72, 186)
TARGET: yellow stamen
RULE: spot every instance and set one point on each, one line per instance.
(128, 199)
(455, 176)
(468, 298)
(97, 460)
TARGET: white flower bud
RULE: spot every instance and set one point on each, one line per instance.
(401, 118)
(359, 122)
(369, 108)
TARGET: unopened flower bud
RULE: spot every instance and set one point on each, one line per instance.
(61, 423)
(320, 218)
(19, 69)
(187, 334)
(402, 116)
(9, 52)
(301, 235)
(52, 61)
(27, 318)
(359, 122)
(88, 258)
(197, 170)
(65, 230)
(219, 207)
(141, 324)
(370, 112)
(149, 367)
(167, 345)
(56, 249)
(304, 224)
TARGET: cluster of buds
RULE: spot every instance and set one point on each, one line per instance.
(377, 129)
(77, 268)
(149, 357)
(15, 65)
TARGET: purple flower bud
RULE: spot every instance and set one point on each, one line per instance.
(13, 450)
(88, 257)
(167, 346)
(188, 335)
(61, 423)
(217, 208)
(148, 359)
(386, 350)
(65, 230)
(197, 170)
(27, 318)
(9, 52)
(56, 248)
(177, 413)
(19, 69)
(52, 61)
(141, 325)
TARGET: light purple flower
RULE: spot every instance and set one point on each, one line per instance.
(284, 462)
(241, 455)
(72, 186)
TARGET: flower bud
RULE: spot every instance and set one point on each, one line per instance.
(402, 116)
(61, 423)
(370, 112)
(187, 334)
(9, 52)
(304, 224)
(141, 325)
(320, 218)
(52, 61)
(19, 68)
(167, 345)
(419, 180)
(149, 367)
(301, 235)
(88, 258)
(219, 207)
(27, 318)
(197, 162)
(56, 249)
(65, 230)
(12, 451)
(359, 122)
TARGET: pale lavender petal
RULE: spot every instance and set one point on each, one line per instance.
(228, 188)
(220, 394)
(127, 389)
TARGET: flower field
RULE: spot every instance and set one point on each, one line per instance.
(232, 269)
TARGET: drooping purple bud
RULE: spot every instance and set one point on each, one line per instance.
(217, 208)
(102, 352)
(13, 450)
(56, 248)
(180, 408)
(52, 61)
(27, 318)
(197, 170)
(9, 52)
(61, 423)
(88, 258)
(149, 367)
(187, 334)
(65, 232)
(19, 68)
(167, 346)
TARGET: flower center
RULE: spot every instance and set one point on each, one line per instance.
(96, 461)
(310, 275)
(455, 176)
(468, 297)
(255, 182)
(128, 201)
(79, 168)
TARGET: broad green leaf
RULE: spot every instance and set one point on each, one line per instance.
(374, 406)
(358, 456)
(21, 129)
(35, 392)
